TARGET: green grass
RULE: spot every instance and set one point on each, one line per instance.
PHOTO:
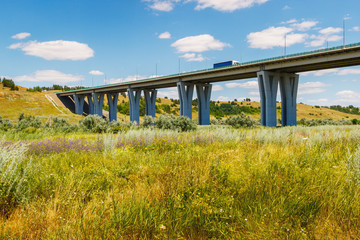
(216, 182)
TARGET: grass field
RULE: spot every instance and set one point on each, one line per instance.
(216, 182)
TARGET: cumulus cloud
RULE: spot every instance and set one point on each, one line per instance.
(275, 37)
(325, 35)
(168, 92)
(355, 29)
(162, 5)
(248, 85)
(22, 35)
(192, 57)
(348, 97)
(334, 71)
(311, 88)
(227, 5)
(130, 78)
(200, 43)
(165, 35)
(216, 88)
(96, 73)
(305, 25)
(51, 76)
(56, 50)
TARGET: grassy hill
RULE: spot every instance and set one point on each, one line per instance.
(46, 104)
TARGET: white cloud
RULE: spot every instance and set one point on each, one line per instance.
(200, 43)
(165, 35)
(223, 99)
(275, 37)
(56, 50)
(96, 73)
(305, 25)
(325, 35)
(52, 76)
(330, 30)
(254, 93)
(22, 35)
(130, 78)
(168, 92)
(348, 97)
(286, 7)
(192, 57)
(321, 101)
(311, 88)
(227, 5)
(334, 71)
(249, 85)
(216, 88)
(355, 29)
(164, 6)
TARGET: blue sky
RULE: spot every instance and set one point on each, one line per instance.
(92, 42)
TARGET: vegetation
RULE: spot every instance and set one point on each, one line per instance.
(9, 84)
(233, 108)
(54, 87)
(215, 182)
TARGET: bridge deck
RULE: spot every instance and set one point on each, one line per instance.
(294, 63)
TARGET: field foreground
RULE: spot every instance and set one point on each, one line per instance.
(216, 182)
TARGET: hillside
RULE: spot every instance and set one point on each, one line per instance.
(46, 104)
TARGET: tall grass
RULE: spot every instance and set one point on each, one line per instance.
(216, 182)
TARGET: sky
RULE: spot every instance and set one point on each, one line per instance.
(97, 42)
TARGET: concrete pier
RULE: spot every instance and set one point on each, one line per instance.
(79, 103)
(203, 92)
(91, 104)
(268, 85)
(288, 89)
(98, 99)
(134, 101)
(185, 91)
(150, 100)
(112, 101)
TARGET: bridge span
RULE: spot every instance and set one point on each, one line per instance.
(270, 73)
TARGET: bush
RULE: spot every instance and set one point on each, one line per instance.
(116, 127)
(5, 124)
(94, 123)
(241, 120)
(175, 123)
(59, 124)
(149, 121)
(321, 122)
(28, 121)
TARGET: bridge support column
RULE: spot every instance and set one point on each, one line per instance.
(79, 103)
(288, 89)
(150, 100)
(98, 99)
(185, 91)
(268, 85)
(134, 101)
(112, 101)
(203, 92)
(91, 104)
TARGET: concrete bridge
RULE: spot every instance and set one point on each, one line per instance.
(270, 73)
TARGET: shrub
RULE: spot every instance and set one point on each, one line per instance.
(5, 124)
(94, 123)
(241, 121)
(59, 124)
(116, 127)
(148, 121)
(28, 121)
(175, 123)
(321, 122)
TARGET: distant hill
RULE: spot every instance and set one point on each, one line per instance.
(45, 104)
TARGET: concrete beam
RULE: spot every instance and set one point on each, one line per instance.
(134, 101)
(150, 100)
(79, 104)
(185, 91)
(98, 99)
(203, 92)
(288, 89)
(112, 101)
(268, 85)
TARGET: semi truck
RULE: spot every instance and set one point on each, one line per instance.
(224, 64)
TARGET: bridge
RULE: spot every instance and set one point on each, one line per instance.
(270, 73)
